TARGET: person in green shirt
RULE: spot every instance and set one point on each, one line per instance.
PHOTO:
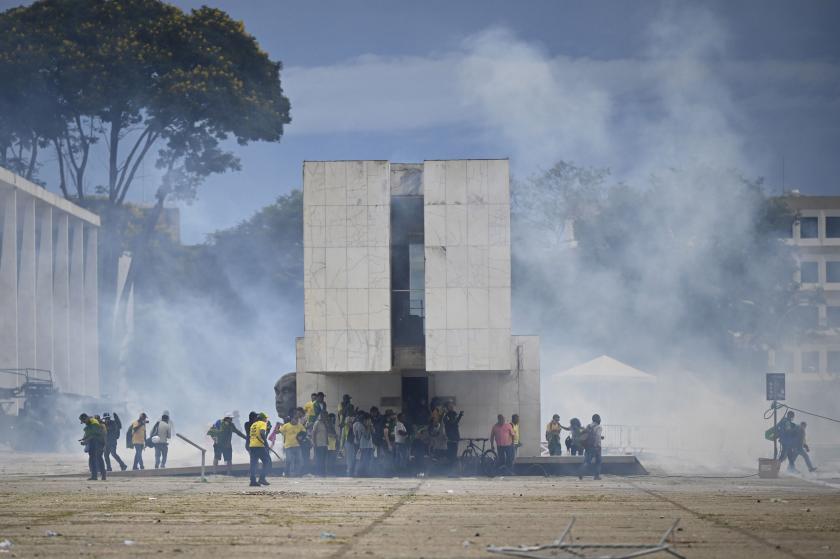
(94, 438)
(222, 433)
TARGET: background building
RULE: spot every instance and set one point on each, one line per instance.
(48, 286)
(407, 291)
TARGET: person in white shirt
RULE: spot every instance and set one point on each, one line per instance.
(592, 448)
(161, 433)
(400, 444)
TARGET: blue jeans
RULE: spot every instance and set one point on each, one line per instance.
(259, 454)
(350, 458)
(364, 464)
(292, 461)
(795, 453)
(591, 456)
(506, 457)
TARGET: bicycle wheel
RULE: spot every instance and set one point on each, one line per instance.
(469, 462)
(489, 463)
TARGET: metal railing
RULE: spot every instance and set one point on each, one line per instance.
(203, 452)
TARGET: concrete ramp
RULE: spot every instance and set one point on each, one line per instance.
(569, 465)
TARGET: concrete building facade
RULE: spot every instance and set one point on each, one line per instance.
(48, 286)
(407, 292)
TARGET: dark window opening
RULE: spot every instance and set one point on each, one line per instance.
(832, 227)
(832, 272)
(809, 272)
(833, 362)
(832, 315)
(407, 271)
(809, 227)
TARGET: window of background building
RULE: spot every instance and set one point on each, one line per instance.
(832, 272)
(810, 361)
(807, 317)
(784, 362)
(832, 317)
(809, 272)
(809, 227)
(833, 362)
(407, 271)
(832, 227)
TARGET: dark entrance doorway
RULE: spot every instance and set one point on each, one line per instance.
(415, 398)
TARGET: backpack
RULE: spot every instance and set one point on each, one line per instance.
(585, 439)
(149, 442)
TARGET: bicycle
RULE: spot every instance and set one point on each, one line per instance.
(478, 460)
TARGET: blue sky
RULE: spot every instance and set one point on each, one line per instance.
(634, 86)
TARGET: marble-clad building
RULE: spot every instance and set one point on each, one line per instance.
(408, 294)
(48, 286)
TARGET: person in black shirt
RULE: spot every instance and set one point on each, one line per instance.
(113, 426)
(451, 421)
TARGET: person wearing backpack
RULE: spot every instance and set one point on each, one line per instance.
(161, 433)
(113, 427)
(591, 439)
(137, 433)
(222, 433)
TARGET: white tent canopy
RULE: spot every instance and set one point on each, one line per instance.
(604, 368)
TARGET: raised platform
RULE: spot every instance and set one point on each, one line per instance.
(569, 465)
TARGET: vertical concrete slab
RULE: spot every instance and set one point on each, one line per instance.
(525, 356)
(76, 342)
(44, 287)
(91, 306)
(8, 279)
(26, 282)
(61, 301)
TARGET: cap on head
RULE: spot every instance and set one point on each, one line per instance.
(263, 415)
(106, 415)
(347, 397)
(83, 417)
(227, 415)
(596, 418)
(555, 417)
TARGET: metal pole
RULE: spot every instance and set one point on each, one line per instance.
(775, 435)
(203, 452)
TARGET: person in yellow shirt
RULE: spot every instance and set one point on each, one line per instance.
(138, 440)
(291, 444)
(552, 436)
(258, 447)
(309, 408)
(514, 422)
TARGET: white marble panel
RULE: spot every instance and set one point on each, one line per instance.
(457, 266)
(498, 219)
(434, 225)
(498, 266)
(379, 273)
(314, 226)
(457, 350)
(478, 307)
(336, 218)
(336, 183)
(315, 309)
(479, 350)
(379, 350)
(314, 193)
(379, 309)
(336, 274)
(357, 350)
(456, 182)
(357, 226)
(478, 263)
(337, 350)
(357, 309)
(357, 267)
(457, 308)
(456, 225)
(336, 309)
(314, 267)
(315, 343)
(379, 225)
(499, 315)
(435, 350)
(435, 308)
(356, 183)
(434, 182)
(477, 232)
(379, 192)
(476, 182)
(435, 266)
(498, 182)
(499, 349)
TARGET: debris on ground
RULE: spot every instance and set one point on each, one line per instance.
(6, 545)
(52, 534)
(327, 536)
(128, 542)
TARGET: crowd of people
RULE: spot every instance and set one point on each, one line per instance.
(101, 438)
(585, 441)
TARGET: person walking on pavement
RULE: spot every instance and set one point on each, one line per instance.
(161, 433)
(113, 427)
(258, 447)
(137, 435)
(222, 433)
(592, 448)
(94, 439)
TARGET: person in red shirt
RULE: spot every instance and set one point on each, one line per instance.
(501, 440)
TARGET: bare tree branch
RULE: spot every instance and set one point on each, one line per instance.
(150, 140)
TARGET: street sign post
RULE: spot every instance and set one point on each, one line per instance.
(775, 392)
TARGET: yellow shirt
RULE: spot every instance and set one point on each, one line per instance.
(309, 408)
(138, 433)
(290, 432)
(330, 442)
(515, 433)
(256, 440)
